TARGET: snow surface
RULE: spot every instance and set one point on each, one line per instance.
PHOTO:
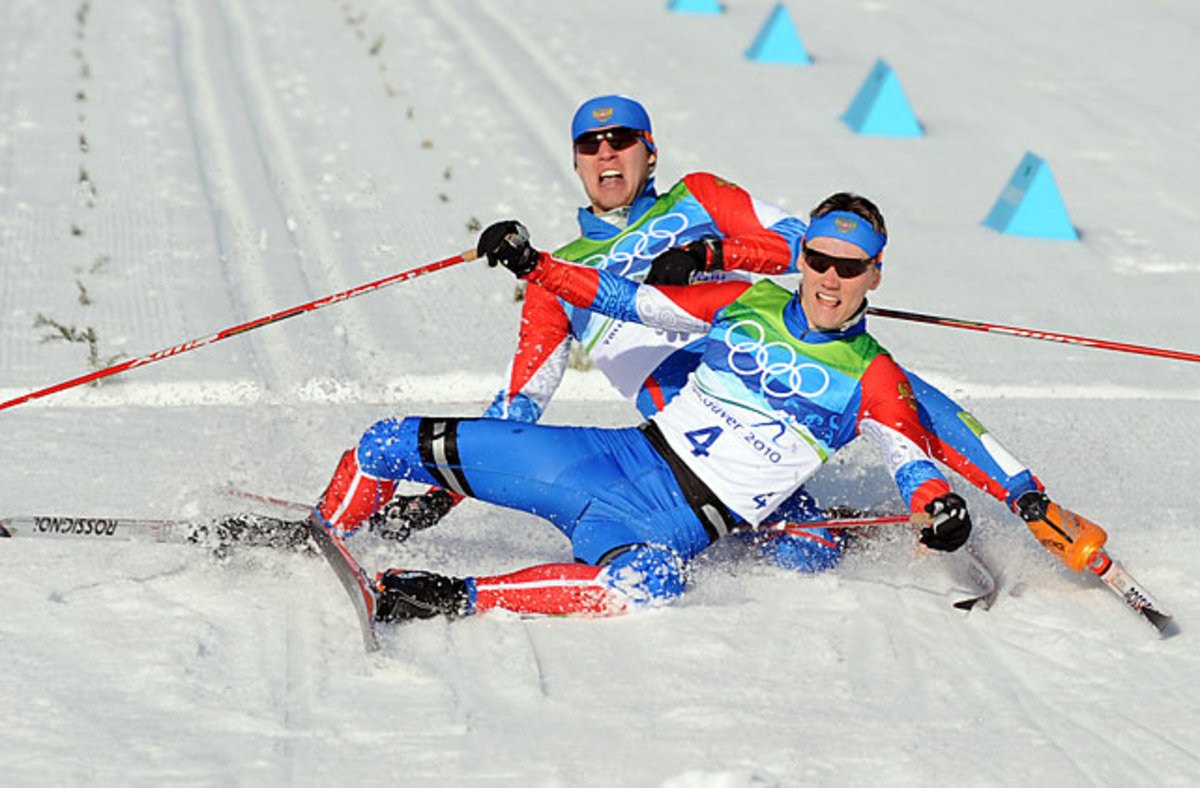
(185, 165)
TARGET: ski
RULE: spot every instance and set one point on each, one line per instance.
(224, 533)
(358, 586)
(106, 529)
(983, 577)
(977, 570)
(1132, 593)
(219, 533)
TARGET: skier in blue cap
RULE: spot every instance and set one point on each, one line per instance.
(613, 111)
(786, 379)
(703, 228)
(704, 224)
(603, 129)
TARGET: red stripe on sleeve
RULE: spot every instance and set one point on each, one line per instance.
(544, 327)
(747, 246)
(548, 589)
(577, 284)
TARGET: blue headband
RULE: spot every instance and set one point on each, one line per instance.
(850, 227)
(605, 111)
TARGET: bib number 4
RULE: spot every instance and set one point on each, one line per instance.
(702, 439)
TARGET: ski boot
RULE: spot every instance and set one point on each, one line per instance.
(1073, 539)
(404, 514)
(406, 594)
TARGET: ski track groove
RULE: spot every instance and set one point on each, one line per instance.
(1053, 721)
(311, 238)
(541, 107)
(255, 191)
(538, 665)
(1021, 701)
(1164, 737)
(197, 91)
(1035, 713)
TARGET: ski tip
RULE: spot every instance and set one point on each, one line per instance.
(352, 577)
(4, 532)
(981, 602)
(1166, 625)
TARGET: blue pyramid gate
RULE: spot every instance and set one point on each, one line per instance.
(880, 107)
(695, 7)
(778, 41)
(1031, 204)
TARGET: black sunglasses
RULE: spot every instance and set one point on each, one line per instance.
(619, 138)
(846, 267)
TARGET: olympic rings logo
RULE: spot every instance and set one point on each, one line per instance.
(750, 357)
(644, 244)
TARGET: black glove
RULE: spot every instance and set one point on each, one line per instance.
(676, 265)
(507, 243)
(1032, 506)
(404, 514)
(951, 523)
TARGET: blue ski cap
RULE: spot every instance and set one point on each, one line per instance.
(614, 110)
(850, 227)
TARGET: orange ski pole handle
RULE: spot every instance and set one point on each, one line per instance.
(1072, 538)
(250, 325)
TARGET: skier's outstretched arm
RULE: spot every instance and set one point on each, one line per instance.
(673, 308)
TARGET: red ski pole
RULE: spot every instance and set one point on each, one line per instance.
(862, 522)
(1049, 336)
(233, 331)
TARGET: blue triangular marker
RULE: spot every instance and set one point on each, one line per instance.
(880, 107)
(778, 41)
(695, 7)
(1031, 205)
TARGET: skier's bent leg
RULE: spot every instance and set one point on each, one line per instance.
(546, 589)
(352, 496)
(366, 476)
(516, 465)
(803, 549)
(799, 507)
(794, 545)
(640, 576)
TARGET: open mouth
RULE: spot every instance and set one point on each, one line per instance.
(828, 300)
(611, 175)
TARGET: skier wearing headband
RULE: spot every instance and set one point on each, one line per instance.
(703, 228)
(785, 380)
